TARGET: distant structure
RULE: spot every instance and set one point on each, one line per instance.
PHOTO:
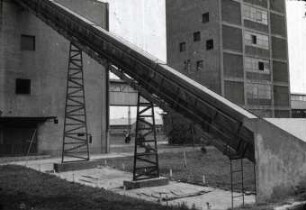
(236, 48)
(33, 76)
(298, 105)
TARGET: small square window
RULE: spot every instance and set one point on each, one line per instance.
(182, 46)
(205, 17)
(199, 65)
(23, 86)
(254, 39)
(209, 44)
(187, 65)
(27, 42)
(261, 66)
(196, 36)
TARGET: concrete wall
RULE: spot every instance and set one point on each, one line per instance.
(183, 19)
(47, 69)
(280, 159)
(141, 22)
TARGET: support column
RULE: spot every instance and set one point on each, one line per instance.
(75, 137)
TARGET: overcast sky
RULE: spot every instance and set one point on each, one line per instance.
(296, 25)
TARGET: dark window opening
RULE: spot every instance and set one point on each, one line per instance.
(196, 36)
(187, 65)
(199, 65)
(182, 46)
(23, 86)
(205, 17)
(254, 39)
(209, 44)
(27, 42)
(261, 66)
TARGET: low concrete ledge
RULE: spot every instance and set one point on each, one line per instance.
(79, 165)
(159, 181)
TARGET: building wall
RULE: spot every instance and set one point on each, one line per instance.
(183, 19)
(280, 158)
(46, 67)
(249, 62)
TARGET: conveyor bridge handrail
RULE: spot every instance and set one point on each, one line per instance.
(215, 114)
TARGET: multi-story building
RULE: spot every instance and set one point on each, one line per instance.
(237, 48)
(33, 77)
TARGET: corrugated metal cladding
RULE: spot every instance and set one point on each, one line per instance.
(280, 72)
(235, 15)
(281, 96)
(279, 48)
(234, 91)
(282, 113)
(262, 3)
(233, 65)
(255, 51)
(278, 25)
(259, 101)
(232, 38)
(258, 76)
(256, 26)
(262, 113)
(277, 5)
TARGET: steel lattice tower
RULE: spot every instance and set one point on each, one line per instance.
(75, 138)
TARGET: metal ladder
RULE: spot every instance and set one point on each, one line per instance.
(237, 178)
(145, 154)
(75, 137)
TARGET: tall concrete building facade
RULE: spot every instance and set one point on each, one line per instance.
(237, 48)
(33, 77)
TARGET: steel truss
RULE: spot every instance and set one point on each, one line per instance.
(145, 154)
(75, 137)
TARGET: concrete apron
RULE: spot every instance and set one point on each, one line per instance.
(175, 193)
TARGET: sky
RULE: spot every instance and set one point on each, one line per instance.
(296, 26)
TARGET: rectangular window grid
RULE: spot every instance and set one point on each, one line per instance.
(27, 42)
(205, 17)
(23, 86)
(197, 36)
(257, 65)
(255, 15)
(209, 44)
(199, 65)
(259, 91)
(261, 40)
(182, 46)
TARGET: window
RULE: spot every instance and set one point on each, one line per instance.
(205, 17)
(199, 65)
(209, 44)
(182, 46)
(256, 40)
(23, 86)
(255, 64)
(187, 65)
(259, 91)
(255, 15)
(261, 66)
(196, 36)
(27, 42)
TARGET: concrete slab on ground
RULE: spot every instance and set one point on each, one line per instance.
(174, 193)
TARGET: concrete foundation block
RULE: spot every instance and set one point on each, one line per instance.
(159, 181)
(72, 166)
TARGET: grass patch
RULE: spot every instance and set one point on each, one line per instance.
(23, 188)
(214, 165)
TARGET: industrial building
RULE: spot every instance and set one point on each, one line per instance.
(33, 78)
(236, 48)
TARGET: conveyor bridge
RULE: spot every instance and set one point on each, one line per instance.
(216, 115)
